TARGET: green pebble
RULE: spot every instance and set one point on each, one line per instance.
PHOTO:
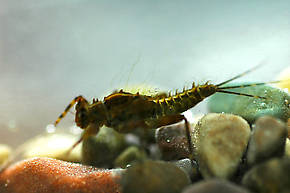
(154, 177)
(101, 150)
(276, 103)
(128, 156)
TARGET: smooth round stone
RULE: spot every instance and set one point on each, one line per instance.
(267, 141)
(214, 186)
(276, 103)
(220, 141)
(152, 177)
(172, 141)
(5, 152)
(101, 150)
(128, 156)
(271, 176)
(52, 145)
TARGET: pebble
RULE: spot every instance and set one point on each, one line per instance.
(101, 150)
(213, 186)
(172, 142)
(271, 176)
(152, 177)
(276, 104)
(5, 152)
(53, 145)
(128, 156)
(189, 167)
(220, 141)
(46, 175)
(267, 141)
(145, 136)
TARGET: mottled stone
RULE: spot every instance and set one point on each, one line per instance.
(46, 175)
(101, 150)
(267, 141)
(220, 141)
(214, 186)
(53, 145)
(5, 152)
(272, 176)
(152, 177)
(130, 155)
(172, 141)
(276, 103)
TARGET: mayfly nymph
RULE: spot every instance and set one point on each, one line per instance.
(125, 111)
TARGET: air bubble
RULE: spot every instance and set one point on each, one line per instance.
(50, 128)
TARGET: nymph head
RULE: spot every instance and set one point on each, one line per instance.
(82, 113)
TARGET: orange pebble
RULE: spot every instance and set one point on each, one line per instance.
(39, 175)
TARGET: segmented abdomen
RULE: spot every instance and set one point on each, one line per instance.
(185, 100)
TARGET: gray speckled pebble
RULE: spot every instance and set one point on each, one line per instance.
(215, 186)
(154, 177)
(101, 150)
(276, 104)
(272, 176)
(220, 141)
(267, 141)
(189, 167)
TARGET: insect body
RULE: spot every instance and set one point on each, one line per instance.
(124, 111)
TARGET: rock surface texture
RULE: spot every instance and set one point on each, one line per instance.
(220, 141)
(267, 141)
(46, 175)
